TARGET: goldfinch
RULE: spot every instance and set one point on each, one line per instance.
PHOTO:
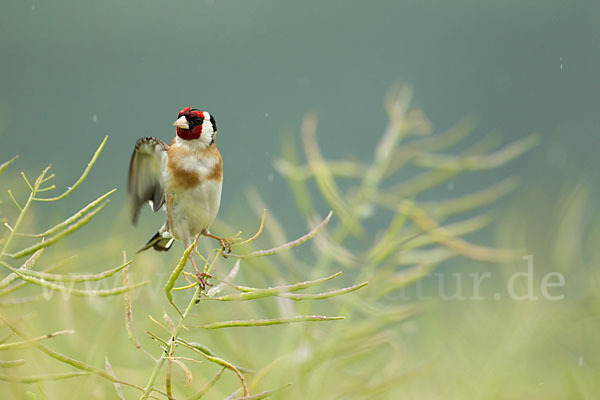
(185, 177)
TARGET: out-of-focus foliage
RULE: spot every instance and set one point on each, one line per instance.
(531, 348)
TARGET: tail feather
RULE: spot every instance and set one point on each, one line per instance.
(159, 242)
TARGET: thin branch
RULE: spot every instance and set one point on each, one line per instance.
(12, 276)
(11, 363)
(12, 197)
(26, 181)
(75, 216)
(26, 266)
(116, 384)
(176, 272)
(169, 331)
(478, 162)
(323, 176)
(266, 322)
(253, 293)
(5, 165)
(70, 290)
(219, 361)
(51, 240)
(24, 343)
(212, 292)
(40, 378)
(17, 224)
(156, 338)
(207, 386)
(75, 363)
(81, 178)
(129, 312)
(257, 234)
(206, 350)
(75, 277)
(456, 244)
(265, 394)
(289, 245)
(47, 189)
(321, 296)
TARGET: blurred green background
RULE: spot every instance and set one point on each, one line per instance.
(73, 72)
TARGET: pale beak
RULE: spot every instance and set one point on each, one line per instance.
(182, 123)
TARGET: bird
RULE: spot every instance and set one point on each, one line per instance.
(185, 178)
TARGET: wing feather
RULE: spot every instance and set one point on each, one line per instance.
(145, 182)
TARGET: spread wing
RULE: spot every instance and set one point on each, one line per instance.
(145, 182)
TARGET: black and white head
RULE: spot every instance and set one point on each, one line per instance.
(193, 124)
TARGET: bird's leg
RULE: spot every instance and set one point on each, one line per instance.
(224, 242)
(200, 276)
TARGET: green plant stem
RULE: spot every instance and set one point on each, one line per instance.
(5, 165)
(39, 378)
(22, 214)
(265, 322)
(81, 178)
(10, 346)
(72, 362)
(163, 357)
(53, 239)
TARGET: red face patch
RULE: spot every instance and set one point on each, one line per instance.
(186, 111)
(189, 112)
(195, 119)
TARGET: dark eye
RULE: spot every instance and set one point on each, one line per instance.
(195, 120)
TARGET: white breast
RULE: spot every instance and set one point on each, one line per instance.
(192, 160)
(192, 211)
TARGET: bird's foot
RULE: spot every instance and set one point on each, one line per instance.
(202, 278)
(224, 242)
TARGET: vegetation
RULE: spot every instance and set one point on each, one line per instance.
(261, 316)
